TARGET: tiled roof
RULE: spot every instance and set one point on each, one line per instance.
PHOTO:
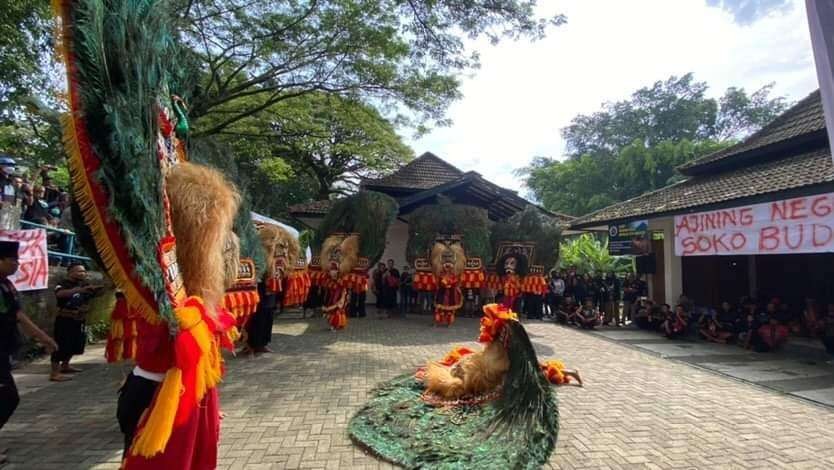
(803, 118)
(311, 208)
(424, 172)
(806, 169)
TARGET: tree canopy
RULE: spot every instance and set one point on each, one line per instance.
(633, 146)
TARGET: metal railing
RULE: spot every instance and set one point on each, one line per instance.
(69, 252)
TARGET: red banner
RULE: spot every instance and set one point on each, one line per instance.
(33, 273)
(790, 226)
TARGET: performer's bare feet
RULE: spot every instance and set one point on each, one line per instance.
(263, 350)
(70, 370)
(56, 377)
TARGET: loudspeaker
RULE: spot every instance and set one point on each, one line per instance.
(645, 264)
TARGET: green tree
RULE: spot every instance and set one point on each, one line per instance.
(405, 55)
(672, 110)
(633, 146)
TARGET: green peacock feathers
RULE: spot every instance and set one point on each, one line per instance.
(516, 431)
(367, 213)
(123, 54)
(446, 218)
(530, 225)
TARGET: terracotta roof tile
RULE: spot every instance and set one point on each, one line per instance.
(311, 208)
(424, 172)
(803, 118)
(794, 172)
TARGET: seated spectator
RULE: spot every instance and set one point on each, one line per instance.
(588, 315)
(788, 317)
(566, 310)
(675, 326)
(747, 327)
(810, 321)
(770, 337)
(827, 329)
(648, 316)
(720, 327)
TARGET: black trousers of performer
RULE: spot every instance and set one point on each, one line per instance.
(259, 328)
(533, 306)
(71, 336)
(9, 399)
(135, 397)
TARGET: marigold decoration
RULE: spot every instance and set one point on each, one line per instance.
(452, 357)
(494, 320)
(553, 370)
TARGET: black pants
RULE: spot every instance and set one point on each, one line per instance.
(71, 336)
(259, 328)
(9, 399)
(135, 397)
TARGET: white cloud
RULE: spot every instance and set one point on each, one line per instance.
(514, 107)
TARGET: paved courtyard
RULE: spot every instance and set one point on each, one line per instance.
(290, 409)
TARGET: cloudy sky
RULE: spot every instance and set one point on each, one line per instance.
(524, 93)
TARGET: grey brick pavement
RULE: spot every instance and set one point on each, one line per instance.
(290, 409)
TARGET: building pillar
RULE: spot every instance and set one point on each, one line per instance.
(673, 272)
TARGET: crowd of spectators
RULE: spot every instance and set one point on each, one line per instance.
(34, 196)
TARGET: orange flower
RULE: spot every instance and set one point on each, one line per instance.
(493, 321)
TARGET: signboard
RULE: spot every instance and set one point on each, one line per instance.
(629, 239)
(33, 272)
(791, 226)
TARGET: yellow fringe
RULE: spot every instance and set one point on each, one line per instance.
(153, 437)
(83, 192)
(117, 329)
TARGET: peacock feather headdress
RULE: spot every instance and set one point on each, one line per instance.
(121, 136)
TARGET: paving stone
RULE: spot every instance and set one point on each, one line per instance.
(290, 409)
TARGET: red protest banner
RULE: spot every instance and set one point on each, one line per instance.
(799, 225)
(33, 273)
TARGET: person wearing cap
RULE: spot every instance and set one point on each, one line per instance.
(11, 316)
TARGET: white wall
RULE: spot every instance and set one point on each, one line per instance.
(395, 243)
(672, 277)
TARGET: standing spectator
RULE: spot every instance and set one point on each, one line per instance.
(377, 286)
(406, 283)
(73, 295)
(580, 292)
(555, 291)
(612, 299)
(629, 297)
(38, 211)
(390, 286)
(11, 316)
(591, 289)
(827, 330)
(8, 189)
